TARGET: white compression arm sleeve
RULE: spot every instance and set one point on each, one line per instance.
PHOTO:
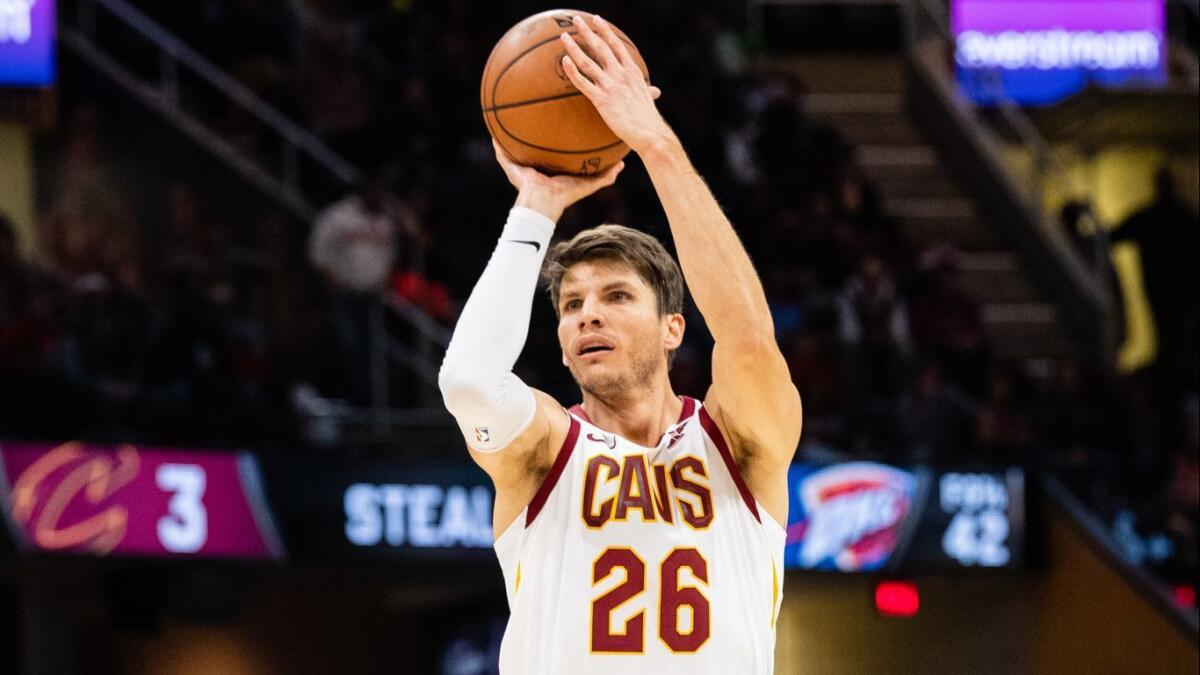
(491, 404)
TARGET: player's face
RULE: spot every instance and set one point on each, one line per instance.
(613, 340)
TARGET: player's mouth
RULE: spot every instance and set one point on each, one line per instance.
(592, 347)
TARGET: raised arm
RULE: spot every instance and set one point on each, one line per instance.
(511, 430)
(752, 397)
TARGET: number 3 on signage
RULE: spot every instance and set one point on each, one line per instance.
(185, 528)
(672, 598)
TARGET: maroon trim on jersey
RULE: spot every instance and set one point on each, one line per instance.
(689, 407)
(578, 410)
(718, 439)
(548, 483)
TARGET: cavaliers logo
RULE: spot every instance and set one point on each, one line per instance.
(67, 476)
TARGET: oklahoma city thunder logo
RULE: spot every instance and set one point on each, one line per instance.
(850, 515)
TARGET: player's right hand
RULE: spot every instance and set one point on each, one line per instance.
(551, 195)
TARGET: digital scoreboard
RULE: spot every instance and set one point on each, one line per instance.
(1037, 52)
(384, 510)
(27, 35)
(76, 498)
(866, 517)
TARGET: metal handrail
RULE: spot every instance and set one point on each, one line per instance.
(1151, 588)
(163, 96)
(1082, 289)
(296, 137)
(1048, 165)
(429, 328)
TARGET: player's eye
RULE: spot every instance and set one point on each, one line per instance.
(572, 304)
(619, 295)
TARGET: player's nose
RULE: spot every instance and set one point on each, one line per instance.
(590, 313)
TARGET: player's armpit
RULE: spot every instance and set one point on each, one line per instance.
(754, 402)
(518, 468)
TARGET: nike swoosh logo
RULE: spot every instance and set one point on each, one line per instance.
(536, 246)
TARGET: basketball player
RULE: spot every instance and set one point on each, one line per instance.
(640, 531)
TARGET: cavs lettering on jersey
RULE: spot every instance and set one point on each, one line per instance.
(642, 560)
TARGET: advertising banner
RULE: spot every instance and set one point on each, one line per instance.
(385, 510)
(1041, 51)
(27, 36)
(135, 501)
(864, 517)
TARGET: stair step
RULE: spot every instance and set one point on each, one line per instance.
(859, 118)
(1022, 319)
(867, 132)
(931, 208)
(989, 261)
(1026, 330)
(848, 72)
(897, 157)
(896, 185)
(968, 234)
(996, 278)
(822, 104)
(1033, 349)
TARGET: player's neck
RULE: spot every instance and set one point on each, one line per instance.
(642, 420)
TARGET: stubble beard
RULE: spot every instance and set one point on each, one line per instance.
(618, 389)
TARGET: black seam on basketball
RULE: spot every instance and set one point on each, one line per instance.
(495, 137)
(518, 57)
(518, 139)
(494, 108)
(506, 106)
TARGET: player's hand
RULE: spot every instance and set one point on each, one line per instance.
(551, 195)
(610, 78)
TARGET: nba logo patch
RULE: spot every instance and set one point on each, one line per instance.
(482, 435)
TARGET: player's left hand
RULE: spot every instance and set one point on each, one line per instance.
(612, 81)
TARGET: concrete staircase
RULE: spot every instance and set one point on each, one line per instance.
(864, 98)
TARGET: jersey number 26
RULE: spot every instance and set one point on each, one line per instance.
(672, 598)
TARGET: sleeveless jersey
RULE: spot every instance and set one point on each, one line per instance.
(642, 560)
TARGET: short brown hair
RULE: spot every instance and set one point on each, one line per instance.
(618, 243)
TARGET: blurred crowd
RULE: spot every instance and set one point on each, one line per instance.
(176, 316)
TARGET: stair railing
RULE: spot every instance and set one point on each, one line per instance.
(282, 180)
(927, 28)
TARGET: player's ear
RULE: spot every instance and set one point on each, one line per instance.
(674, 324)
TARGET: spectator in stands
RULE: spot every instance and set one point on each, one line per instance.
(37, 396)
(1167, 233)
(196, 245)
(780, 129)
(946, 320)
(1072, 420)
(862, 225)
(1079, 222)
(815, 369)
(1003, 424)
(933, 418)
(1183, 495)
(873, 324)
(90, 227)
(27, 330)
(354, 245)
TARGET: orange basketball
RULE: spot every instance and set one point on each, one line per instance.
(532, 109)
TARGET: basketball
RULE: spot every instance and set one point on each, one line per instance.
(532, 109)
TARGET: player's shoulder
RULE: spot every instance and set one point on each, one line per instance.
(557, 417)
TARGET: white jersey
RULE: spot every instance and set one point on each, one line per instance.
(642, 560)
